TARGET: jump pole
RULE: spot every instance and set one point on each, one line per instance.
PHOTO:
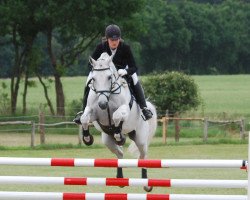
(200, 183)
(248, 189)
(112, 196)
(77, 162)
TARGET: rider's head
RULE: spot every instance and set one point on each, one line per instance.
(113, 35)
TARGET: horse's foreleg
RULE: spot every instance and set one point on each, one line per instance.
(119, 116)
(85, 119)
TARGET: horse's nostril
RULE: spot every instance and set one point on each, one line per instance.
(103, 105)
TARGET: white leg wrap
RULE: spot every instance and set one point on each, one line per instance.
(135, 78)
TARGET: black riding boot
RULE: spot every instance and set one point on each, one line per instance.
(139, 95)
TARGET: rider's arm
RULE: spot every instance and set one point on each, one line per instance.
(130, 60)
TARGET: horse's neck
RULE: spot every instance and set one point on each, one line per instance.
(124, 96)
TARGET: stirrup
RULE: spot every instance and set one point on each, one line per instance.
(147, 114)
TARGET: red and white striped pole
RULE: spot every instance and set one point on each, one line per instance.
(77, 162)
(112, 196)
(248, 188)
(201, 183)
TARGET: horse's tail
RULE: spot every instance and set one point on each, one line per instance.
(152, 129)
(152, 122)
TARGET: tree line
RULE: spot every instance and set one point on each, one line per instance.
(55, 38)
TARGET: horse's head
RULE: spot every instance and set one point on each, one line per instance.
(104, 79)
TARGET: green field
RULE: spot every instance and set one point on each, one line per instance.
(223, 95)
(229, 94)
(155, 152)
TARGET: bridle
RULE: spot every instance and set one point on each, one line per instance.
(115, 87)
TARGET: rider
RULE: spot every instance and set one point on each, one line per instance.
(124, 61)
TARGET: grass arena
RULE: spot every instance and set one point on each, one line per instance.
(186, 172)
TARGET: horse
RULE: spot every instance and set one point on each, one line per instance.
(113, 111)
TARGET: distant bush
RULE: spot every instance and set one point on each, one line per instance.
(172, 91)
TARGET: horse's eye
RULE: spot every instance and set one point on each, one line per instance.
(109, 77)
(93, 79)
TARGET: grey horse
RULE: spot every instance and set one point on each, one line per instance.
(113, 111)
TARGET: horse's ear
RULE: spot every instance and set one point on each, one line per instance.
(92, 61)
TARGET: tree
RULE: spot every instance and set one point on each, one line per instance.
(70, 27)
(19, 27)
(76, 25)
(167, 39)
(233, 29)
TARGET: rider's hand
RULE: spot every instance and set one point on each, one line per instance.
(122, 72)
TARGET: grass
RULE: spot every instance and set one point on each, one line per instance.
(223, 151)
(225, 95)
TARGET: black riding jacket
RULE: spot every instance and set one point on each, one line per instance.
(122, 58)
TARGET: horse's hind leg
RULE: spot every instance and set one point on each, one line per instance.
(140, 140)
(144, 172)
(114, 148)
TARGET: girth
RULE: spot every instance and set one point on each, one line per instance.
(110, 130)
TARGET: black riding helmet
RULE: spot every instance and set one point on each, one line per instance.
(113, 32)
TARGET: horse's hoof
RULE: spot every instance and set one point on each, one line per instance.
(90, 141)
(121, 186)
(148, 188)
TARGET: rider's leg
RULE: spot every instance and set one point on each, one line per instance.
(139, 95)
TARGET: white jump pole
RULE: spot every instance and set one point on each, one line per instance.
(200, 183)
(77, 162)
(248, 189)
(112, 196)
